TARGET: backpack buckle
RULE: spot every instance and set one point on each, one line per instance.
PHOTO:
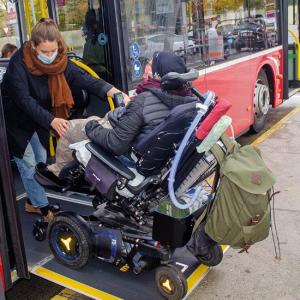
(246, 247)
(255, 220)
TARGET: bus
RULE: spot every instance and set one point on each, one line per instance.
(240, 49)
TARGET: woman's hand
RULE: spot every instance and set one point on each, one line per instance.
(61, 126)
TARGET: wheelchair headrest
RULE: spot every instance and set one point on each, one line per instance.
(173, 81)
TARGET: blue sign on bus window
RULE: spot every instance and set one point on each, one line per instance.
(137, 68)
(102, 39)
(135, 51)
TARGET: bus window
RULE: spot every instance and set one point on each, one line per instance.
(70, 18)
(158, 25)
(34, 11)
(9, 33)
(203, 33)
(81, 24)
(234, 29)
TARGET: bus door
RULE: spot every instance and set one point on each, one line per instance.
(293, 45)
(91, 30)
(12, 252)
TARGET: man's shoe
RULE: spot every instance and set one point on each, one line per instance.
(31, 209)
(49, 218)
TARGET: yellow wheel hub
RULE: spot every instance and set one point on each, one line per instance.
(167, 284)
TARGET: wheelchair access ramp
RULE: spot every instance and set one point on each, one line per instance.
(98, 280)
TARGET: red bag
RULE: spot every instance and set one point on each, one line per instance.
(220, 109)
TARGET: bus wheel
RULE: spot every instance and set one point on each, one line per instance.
(69, 242)
(170, 282)
(261, 102)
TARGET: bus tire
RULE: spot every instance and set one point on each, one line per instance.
(261, 102)
(69, 242)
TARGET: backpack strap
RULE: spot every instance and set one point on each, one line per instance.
(218, 152)
(200, 219)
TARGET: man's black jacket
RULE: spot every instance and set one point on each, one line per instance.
(138, 118)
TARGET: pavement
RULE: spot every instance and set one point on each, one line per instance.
(257, 275)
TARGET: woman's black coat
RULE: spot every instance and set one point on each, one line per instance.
(27, 102)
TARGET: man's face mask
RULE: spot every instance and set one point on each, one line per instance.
(47, 60)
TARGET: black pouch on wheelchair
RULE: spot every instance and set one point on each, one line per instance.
(101, 178)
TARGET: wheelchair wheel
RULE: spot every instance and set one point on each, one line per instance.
(69, 242)
(170, 282)
(213, 258)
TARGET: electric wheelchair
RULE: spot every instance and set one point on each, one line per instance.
(136, 223)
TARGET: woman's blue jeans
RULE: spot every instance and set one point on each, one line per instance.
(33, 154)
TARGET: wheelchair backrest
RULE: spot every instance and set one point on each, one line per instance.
(155, 149)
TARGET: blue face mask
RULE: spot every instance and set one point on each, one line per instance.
(47, 60)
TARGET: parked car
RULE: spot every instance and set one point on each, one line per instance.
(251, 34)
(166, 42)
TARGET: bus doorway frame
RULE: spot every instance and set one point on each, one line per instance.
(116, 42)
(292, 84)
(10, 227)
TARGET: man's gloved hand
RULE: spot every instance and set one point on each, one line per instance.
(91, 126)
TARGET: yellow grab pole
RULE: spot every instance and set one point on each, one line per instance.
(43, 9)
(27, 16)
(95, 75)
(298, 52)
(51, 145)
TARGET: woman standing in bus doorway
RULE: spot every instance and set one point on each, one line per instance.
(37, 97)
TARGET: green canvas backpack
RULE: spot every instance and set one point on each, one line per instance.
(240, 214)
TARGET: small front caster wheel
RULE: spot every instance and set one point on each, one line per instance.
(40, 230)
(171, 282)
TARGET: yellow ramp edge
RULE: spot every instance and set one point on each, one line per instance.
(67, 294)
(73, 284)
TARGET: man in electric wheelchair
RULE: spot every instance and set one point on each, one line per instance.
(125, 126)
(135, 223)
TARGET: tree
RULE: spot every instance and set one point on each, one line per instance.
(3, 3)
(257, 4)
(220, 5)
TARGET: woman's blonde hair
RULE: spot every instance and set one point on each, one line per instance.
(47, 30)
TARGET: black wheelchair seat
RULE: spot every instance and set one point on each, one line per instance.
(110, 160)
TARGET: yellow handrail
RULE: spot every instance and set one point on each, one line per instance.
(27, 14)
(44, 10)
(298, 52)
(95, 75)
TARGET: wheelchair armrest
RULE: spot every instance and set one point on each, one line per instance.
(110, 160)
